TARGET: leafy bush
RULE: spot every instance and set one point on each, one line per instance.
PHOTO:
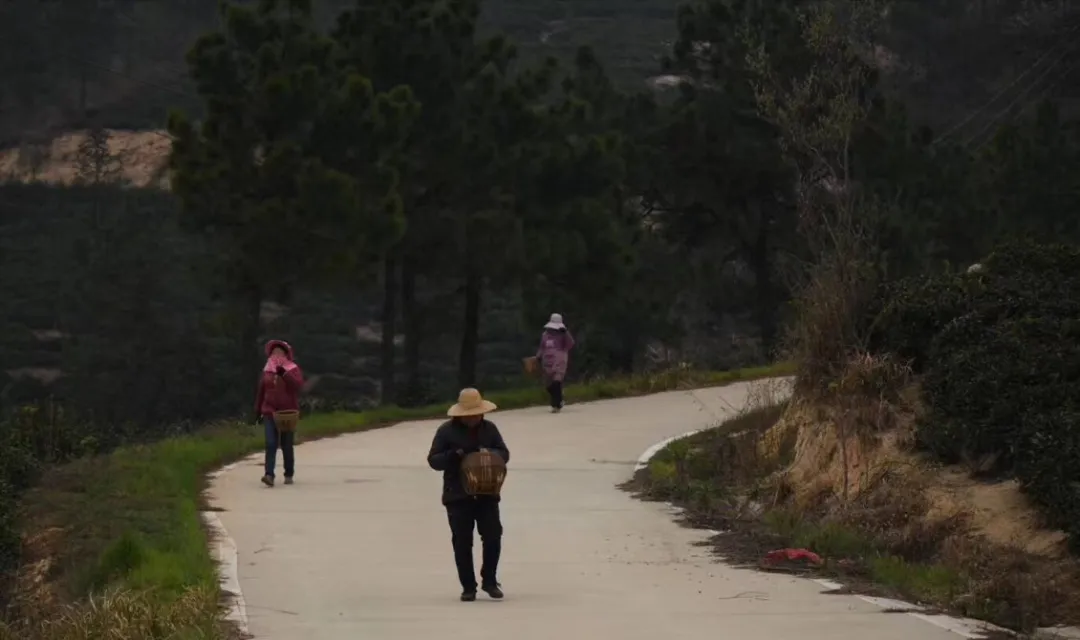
(1049, 467)
(909, 313)
(31, 437)
(990, 375)
(1000, 350)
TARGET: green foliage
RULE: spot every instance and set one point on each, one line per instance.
(907, 314)
(290, 167)
(32, 437)
(1026, 177)
(701, 471)
(1000, 349)
(1047, 466)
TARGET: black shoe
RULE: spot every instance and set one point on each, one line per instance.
(268, 480)
(468, 596)
(288, 479)
(494, 591)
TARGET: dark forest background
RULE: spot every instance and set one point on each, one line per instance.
(122, 312)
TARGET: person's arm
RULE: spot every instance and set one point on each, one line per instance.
(540, 349)
(499, 445)
(261, 390)
(294, 379)
(442, 453)
(569, 341)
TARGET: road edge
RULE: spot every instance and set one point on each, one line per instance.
(964, 627)
(226, 555)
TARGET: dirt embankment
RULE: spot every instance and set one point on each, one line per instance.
(833, 467)
(842, 477)
(974, 547)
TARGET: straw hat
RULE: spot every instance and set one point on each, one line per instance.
(555, 322)
(470, 403)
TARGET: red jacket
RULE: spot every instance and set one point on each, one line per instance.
(279, 393)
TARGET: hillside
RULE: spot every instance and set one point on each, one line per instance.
(122, 63)
(142, 157)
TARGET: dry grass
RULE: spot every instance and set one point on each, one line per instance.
(125, 615)
(855, 470)
(839, 475)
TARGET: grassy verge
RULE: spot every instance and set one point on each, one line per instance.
(850, 553)
(131, 519)
(876, 546)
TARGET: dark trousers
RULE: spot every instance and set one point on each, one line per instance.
(275, 439)
(484, 514)
(554, 389)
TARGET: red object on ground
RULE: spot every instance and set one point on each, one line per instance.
(793, 555)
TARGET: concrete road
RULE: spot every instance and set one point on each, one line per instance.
(359, 547)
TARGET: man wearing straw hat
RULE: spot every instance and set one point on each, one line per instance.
(466, 432)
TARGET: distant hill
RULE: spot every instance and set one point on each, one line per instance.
(142, 156)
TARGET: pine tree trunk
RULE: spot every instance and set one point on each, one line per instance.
(470, 337)
(249, 354)
(765, 290)
(411, 318)
(389, 330)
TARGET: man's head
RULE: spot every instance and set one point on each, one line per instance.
(470, 408)
(471, 421)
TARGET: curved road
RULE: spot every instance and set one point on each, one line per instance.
(359, 547)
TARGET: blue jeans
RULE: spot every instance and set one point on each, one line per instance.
(273, 441)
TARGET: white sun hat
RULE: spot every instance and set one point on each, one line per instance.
(555, 322)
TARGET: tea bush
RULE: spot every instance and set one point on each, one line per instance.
(1000, 354)
(909, 313)
(31, 437)
(1048, 467)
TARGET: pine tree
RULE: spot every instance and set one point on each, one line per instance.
(264, 173)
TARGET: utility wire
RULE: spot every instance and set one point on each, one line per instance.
(1046, 54)
(996, 118)
(987, 140)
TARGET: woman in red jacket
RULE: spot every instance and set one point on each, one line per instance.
(279, 390)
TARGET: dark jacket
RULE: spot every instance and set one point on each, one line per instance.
(451, 437)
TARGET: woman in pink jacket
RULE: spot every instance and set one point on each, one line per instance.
(554, 356)
(279, 390)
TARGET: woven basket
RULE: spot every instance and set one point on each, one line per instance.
(286, 420)
(483, 473)
(531, 365)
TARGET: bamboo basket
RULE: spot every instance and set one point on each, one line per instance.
(286, 420)
(483, 473)
(531, 365)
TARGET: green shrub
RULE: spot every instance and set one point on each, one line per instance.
(1049, 468)
(909, 313)
(988, 375)
(1000, 353)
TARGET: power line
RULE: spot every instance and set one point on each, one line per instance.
(1029, 103)
(1004, 90)
(996, 118)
